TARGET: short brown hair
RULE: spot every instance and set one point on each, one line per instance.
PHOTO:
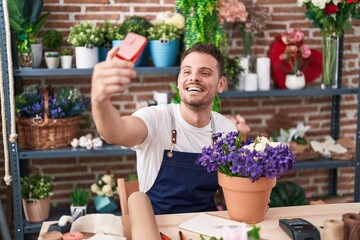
(208, 49)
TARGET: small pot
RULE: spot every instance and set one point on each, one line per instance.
(295, 81)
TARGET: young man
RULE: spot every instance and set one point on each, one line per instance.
(167, 138)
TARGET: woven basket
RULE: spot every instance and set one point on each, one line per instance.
(46, 133)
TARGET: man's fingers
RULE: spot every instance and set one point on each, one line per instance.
(112, 52)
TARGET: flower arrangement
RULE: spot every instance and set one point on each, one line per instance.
(255, 23)
(85, 33)
(232, 11)
(36, 186)
(331, 16)
(167, 25)
(296, 134)
(68, 102)
(105, 186)
(249, 159)
(250, 20)
(296, 53)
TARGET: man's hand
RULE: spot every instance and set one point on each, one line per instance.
(110, 77)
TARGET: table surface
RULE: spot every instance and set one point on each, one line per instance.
(270, 229)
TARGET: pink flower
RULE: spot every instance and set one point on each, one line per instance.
(295, 51)
(232, 11)
(238, 233)
(305, 50)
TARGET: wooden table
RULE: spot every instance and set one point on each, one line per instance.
(316, 214)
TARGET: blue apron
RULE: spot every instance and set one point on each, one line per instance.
(182, 185)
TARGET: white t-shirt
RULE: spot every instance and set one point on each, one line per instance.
(149, 154)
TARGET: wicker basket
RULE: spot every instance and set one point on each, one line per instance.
(46, 133)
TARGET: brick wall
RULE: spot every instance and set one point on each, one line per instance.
(314, 111)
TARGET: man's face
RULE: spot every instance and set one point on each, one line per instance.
(199, 80)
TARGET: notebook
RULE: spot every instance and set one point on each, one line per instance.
(209, 225)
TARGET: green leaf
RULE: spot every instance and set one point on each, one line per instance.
(15, 15)
(40, 23)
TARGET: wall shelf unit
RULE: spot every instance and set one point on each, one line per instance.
(21, 227)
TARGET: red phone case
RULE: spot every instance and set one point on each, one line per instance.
(132, 47)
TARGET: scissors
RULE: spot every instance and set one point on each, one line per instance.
(164, 237)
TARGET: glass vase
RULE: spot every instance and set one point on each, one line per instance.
(25, 60)
(247, 41)
(330, 60)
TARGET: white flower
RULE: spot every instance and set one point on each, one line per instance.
(177, 20)
(300, 3)
(97, 142)
(171, 18)
(320, 3)
(94, 188)
(107, 178)
(329, 145)
(107, 190)
(301, 130)
(75, 143)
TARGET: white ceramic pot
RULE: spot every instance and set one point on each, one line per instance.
(251, 82)
(37, 50)
(244, 63)
(295, 81)
(52, 59)
(86, 57)
(77, 211)
(66, 62)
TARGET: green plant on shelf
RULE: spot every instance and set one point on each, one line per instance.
(36, 186)
(80, 197)
(66, 52)
(52, 39)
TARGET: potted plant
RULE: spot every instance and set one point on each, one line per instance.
(79, 199)
(27, 21)
(86, 37)
(66, 56)
(106, 46)
(164, 38)
(52, 41)
(247, 171)
(36, 190)
(105, 189)
(138, 25)
(50, 125)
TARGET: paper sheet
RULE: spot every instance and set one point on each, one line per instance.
(209, 225)
(104, 226)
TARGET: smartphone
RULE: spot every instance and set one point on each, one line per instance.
(132, 47)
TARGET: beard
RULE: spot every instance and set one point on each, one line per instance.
(197, 102)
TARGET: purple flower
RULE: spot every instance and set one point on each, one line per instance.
(67, 103)
(252, 159)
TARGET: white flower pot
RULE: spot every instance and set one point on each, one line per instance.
(77, 211)
(66, 61)
(244, 63)
(52, 62)
(37, 50)
(86, 57)
(295, 81)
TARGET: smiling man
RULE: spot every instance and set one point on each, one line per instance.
(167, 138)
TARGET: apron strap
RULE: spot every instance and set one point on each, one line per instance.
(173, 131)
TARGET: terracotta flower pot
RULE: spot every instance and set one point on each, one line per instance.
(246, 201)
(36, 210)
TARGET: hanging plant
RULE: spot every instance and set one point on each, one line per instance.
(201, 23)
